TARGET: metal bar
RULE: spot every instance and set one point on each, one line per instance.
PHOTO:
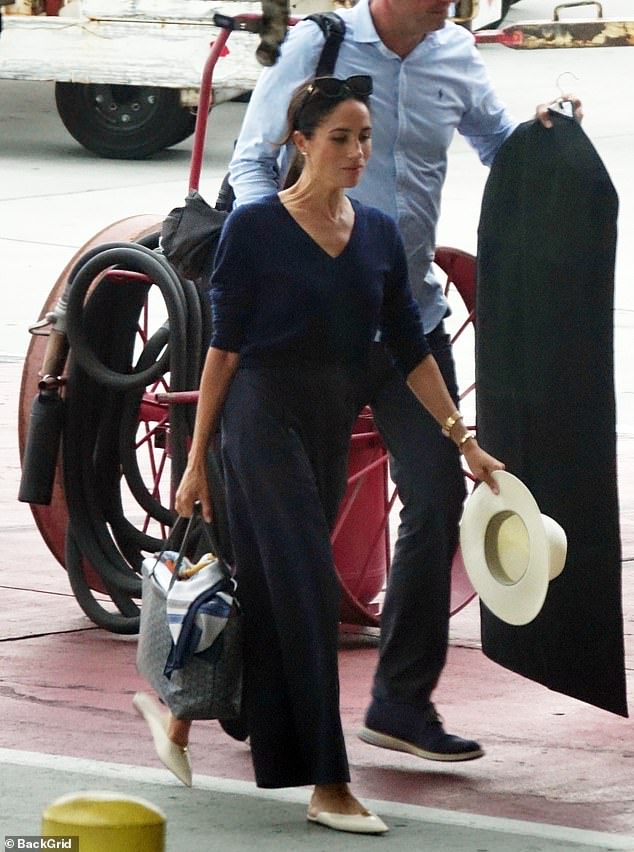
(177, 397)
(574, 5)
(128, 275)
(344, 510)
(381, 460)
(204, 105)
(538, 35)
(249, 22)
(371, 438)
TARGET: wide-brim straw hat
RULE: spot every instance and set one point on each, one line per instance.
(511, 551)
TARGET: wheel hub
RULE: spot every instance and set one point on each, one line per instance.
(124, 107)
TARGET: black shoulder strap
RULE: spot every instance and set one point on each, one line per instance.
(333, 28)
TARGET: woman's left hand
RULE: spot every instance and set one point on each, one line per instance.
(481, 464)
(194, 488)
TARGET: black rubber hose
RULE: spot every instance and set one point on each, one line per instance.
(130, 419)
(124, 531)
(103, 401)
(183, 307)
(91, 459)
(150, 241)
(135, 258)
(107, 469)
(114, 622)
(88, 407)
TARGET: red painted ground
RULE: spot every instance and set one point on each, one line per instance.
(66, 688)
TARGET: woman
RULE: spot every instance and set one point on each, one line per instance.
(303, 281)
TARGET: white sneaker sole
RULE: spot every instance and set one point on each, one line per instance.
(380, 740)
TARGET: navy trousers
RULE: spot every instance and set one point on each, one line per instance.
(285, 438)
(426, 469)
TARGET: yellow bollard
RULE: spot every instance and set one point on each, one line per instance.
(106, 821)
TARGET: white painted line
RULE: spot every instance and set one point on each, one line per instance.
(145, 775)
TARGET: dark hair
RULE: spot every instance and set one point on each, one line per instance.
(312, 103)
(314, 100)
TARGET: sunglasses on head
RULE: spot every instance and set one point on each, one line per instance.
(360, 85)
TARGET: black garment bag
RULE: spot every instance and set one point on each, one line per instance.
(545, 395)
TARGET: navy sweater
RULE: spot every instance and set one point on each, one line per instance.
(278, 298)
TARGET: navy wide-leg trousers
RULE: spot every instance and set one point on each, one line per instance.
(285, 438)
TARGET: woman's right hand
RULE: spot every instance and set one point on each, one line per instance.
(194, 488)
(481, 464)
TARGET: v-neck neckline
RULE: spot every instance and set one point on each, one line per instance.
(312, 240)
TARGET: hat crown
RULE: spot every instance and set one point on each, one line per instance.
(511, 551)
(557, 545)
(507, 547)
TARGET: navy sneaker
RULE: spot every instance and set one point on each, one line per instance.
(402, 728)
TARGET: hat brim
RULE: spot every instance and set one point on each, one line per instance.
(515, 602)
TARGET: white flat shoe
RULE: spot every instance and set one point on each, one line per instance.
(172, 756)
(356, 823)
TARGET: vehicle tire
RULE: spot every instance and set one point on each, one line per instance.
(123, 122)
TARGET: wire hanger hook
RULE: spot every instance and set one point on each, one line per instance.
(563, 104)
(558, 81)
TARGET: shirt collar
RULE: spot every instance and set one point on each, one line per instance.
(364, 29)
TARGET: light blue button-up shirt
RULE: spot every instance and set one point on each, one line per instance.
(417, 104)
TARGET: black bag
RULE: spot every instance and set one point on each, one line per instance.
(190, 234)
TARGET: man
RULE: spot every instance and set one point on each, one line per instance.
(428, 81)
